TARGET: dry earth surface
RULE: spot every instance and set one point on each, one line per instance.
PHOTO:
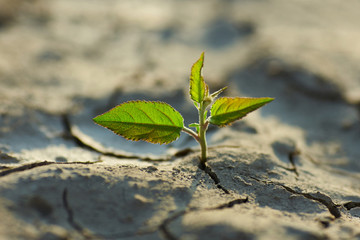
(288, 171)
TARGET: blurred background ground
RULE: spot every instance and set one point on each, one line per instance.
(67, 61)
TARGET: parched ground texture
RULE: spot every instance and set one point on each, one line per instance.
(288, 171)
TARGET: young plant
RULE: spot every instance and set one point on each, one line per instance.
(158, 122)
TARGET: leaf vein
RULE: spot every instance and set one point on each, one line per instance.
(145, 114)
(166, 116)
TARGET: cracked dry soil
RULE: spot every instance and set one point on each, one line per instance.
(288, 171)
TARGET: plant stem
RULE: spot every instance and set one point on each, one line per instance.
(202, 133)
(191, 133)
(200, 137)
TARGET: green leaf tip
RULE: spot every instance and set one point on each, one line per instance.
(218, 92)
(155, 122)
(226, 110)
(198, 87)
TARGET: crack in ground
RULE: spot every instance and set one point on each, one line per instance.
(204, 167)
(291, 157)
(164, 226)
(230, 204)
(319, 197)
(24, 168)
(213, 176)
(351, 205)
(125, 234)
(71, 219)
(69, 210)
(37, 164)
(70, 213)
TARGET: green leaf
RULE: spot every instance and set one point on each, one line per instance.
(196, 105)
(226, 110)
(155, 122)
(215, 94)
(198, 87)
